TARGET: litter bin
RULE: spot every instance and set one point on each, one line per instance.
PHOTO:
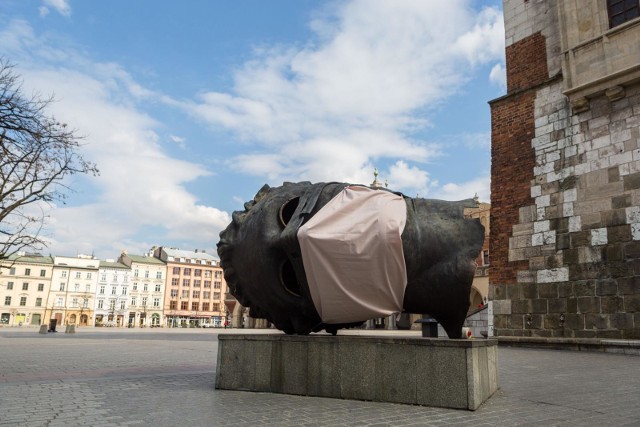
(52, 325)
(429, 327)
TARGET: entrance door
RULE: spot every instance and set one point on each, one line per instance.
(84, 319)
(20, 319)
(35, 319)
(58, 317)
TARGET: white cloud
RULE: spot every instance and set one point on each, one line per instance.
(466, 190)
(139, 187)
(498, 76)
(356, 95)
(44, 11)
(408, 179)
(179, 141)
(61, 6)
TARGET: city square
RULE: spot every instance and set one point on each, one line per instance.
(166, 377)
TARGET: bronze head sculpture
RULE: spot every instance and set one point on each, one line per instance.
(300, 280)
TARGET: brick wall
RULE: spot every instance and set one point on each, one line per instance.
(526, 63)
(565, 220)
(512, 162)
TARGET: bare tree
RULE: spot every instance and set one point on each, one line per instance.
(37, 155)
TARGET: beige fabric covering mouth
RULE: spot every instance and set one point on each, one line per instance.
(352, 255)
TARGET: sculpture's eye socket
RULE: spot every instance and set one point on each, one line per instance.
(288, 278)
(287, 210)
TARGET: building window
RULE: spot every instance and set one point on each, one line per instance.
(41, 287)
(133, 301)
(185, 293)
(102, 289)
(621, 11)
(43, 273)
(122, 304)
(7, 300)
(146, 274)
(74, 302)
(207, 274)
(195, 306)
(485, 257)
(216, 295)
(196, 294)
(76, 287)
(206, 294)
(197, 272)
(62, 286)
(135, 286)
(101, 304)
(135, 273)
(89, 275)
(187, 272)
(218, 274)
(113, 290)
(112, 304)
(124, 290)
(184, 305)
(23, 301)
(145, 287)
(196, 283)
(205, 306)
(103, 277)
(174, 293)
(156, 302)
(87, 288)
(173, 305)
(157, 287)
(176, 270)
(27, 272)
(12, 271)
(158, 274)
(144, 301)
(85, 303)
(185, 282)
(207, 283)
(60, 302)
(215, 307)
(216, 284)
(175, 281)
(38, 302)
(63, 273)
(9, 285)
(78, 274)
(25, 286)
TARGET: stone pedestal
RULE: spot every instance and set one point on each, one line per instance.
(432, 372)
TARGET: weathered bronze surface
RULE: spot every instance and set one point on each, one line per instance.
(260, 256)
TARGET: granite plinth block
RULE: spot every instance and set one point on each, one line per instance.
(445, 373)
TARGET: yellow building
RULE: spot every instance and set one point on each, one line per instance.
(25, 280)
(73, 287)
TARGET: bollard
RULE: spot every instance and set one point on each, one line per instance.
(43, 329)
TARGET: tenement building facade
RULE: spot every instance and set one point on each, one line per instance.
(194, 294)
(565, 210)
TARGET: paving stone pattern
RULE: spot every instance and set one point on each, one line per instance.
(161, 378)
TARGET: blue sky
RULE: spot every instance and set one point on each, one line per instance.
(188, 108)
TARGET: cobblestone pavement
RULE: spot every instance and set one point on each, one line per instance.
(106, 377)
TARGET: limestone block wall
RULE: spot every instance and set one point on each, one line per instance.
(565, 256)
